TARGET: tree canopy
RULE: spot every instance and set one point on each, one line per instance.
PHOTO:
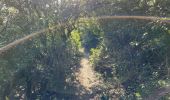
(84, 49)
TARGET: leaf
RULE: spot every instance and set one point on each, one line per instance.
(6, 98)
(137, 94)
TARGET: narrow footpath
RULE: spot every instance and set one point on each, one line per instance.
(86, 75)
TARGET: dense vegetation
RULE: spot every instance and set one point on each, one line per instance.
(131, 57)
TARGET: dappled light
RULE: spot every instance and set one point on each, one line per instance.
(84, 49)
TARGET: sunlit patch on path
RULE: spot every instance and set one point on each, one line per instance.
(86, 75)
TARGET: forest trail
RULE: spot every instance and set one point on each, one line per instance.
(86, 75)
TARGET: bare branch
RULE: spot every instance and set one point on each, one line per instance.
(31, 36)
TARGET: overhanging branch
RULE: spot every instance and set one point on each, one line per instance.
(31, 36)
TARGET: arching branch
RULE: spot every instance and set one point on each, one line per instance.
(149, 18)
(31, 36)
(20, 41)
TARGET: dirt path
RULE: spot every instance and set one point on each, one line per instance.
(86, 75)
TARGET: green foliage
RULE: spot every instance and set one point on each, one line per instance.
(131, 56)
(75, 38)
(138, 55)
(42, 64)
(92, 35)
(95, 55)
